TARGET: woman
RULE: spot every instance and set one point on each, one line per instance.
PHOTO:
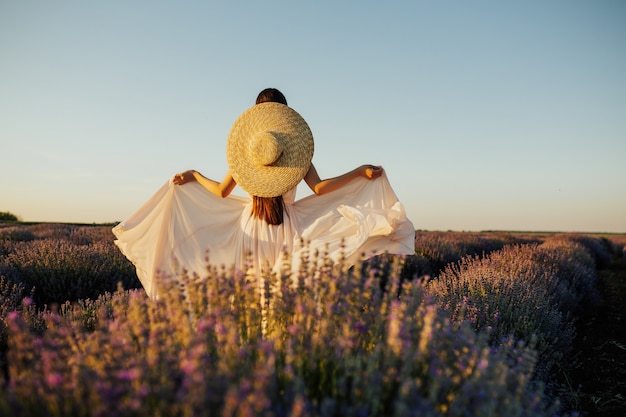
(269, 151)
(271, 209)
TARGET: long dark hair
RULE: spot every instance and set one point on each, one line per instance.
(270, 209)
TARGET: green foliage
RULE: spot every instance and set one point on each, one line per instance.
(6, 216)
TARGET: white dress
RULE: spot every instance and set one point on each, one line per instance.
(181, 224)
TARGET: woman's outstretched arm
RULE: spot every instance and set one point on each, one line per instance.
(319, 186)
(220, 189)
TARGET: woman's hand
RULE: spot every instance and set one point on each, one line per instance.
(371, 171)
(184, 177)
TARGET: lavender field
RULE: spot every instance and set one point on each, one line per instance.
(475, 324)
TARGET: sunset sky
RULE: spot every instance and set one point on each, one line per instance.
(486, 115)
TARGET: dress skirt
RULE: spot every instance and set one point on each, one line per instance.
(186, 227)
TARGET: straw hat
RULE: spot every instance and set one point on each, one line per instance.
(269, 149)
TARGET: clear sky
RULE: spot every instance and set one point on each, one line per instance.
(486, 115)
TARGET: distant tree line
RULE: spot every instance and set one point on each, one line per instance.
(6, 216)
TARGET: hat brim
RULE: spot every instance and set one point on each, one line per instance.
(296, 141)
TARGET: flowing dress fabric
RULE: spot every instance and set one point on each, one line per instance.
(187, 227)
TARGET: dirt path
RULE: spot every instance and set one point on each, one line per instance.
(601, 341)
